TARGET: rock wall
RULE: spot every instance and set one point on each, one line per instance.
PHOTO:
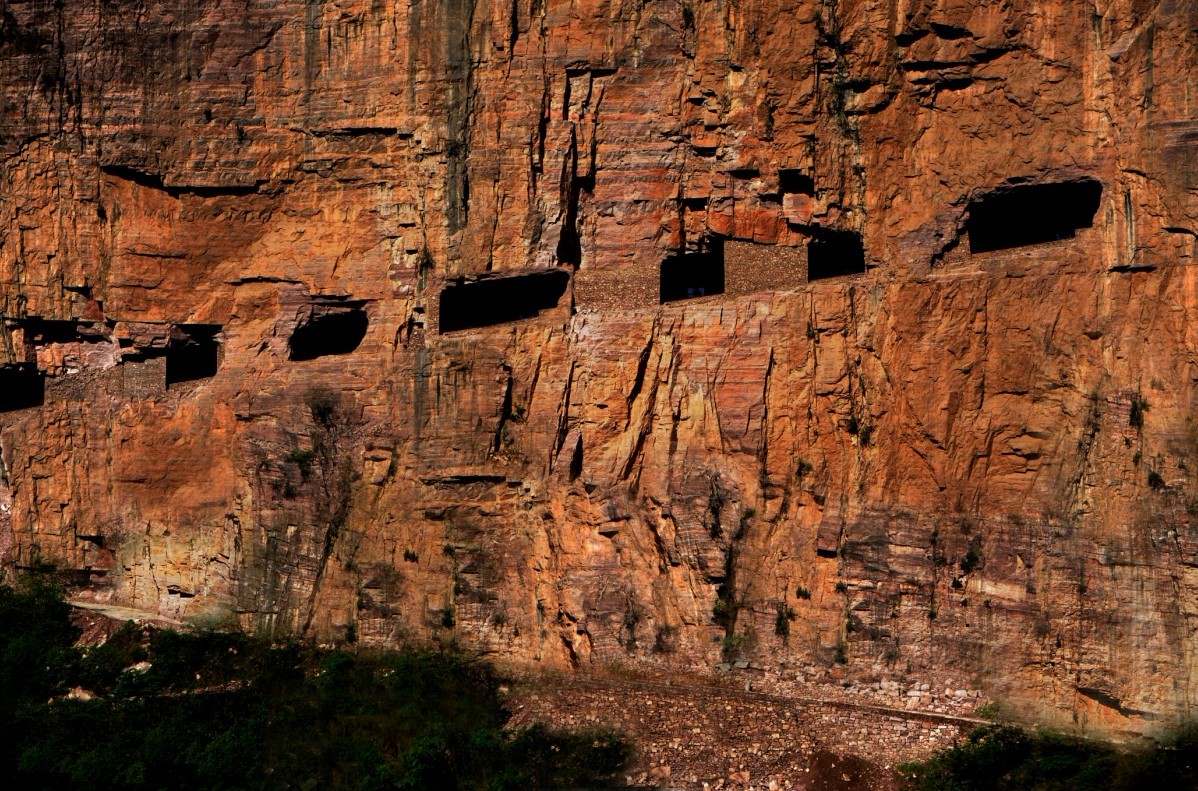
(224, 233)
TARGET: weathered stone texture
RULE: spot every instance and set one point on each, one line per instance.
(975, 465)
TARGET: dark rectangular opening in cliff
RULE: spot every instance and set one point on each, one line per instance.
(832, 253)
(791, 182)
(690, 275)
(193, 353)
(500, 300)
(1030, 214)
(329, 330)
(21, 387)
(43, 332)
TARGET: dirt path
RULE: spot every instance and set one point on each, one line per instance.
(124, 613)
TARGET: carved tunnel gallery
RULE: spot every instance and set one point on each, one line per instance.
(832, 253)
(193, 353)
(21, 387)
(1031, 214)
(690, 275)
(499, 300)
(329, 331)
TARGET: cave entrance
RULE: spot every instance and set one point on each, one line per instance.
(500, 300)
(328, 331)
(1030, 214)
(832, 253)
(21, 387)
(690, 275)
(193, 353)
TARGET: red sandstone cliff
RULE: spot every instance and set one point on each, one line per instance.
(231, 234)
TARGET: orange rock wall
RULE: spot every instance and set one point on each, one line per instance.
(977, 469)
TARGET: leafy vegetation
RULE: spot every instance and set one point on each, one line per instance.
(782, 620)
(303, 460)
(973, 556)
(1004, 758)
(1135, 416)
(212, 711)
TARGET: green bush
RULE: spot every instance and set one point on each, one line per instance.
(973, 556)
(1005, 758)
(229, 711)
(1135, 416)
(782, 620)
(303, 460)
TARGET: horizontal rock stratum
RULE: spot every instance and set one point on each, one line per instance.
(818, 338)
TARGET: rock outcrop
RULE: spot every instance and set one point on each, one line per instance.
(348, 320)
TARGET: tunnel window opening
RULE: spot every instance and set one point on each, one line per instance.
(328, 332)
(691, 275)
(500, 300)
(795, 181)
(1031, 214)
(21, 387)
(43, 332)
(833, 253)
(193, 353)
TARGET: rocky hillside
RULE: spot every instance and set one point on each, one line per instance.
(818, 338)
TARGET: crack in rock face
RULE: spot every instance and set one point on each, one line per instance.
(826, 347)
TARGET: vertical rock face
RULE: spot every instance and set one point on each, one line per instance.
(919, 397)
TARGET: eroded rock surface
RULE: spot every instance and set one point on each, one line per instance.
(224, 234)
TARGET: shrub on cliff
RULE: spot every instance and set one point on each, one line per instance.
(1005, 758)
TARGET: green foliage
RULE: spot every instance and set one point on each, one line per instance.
(802, 593)
(1004, 758)
(724, 612)
(324, 406)
(841, 656)
(734, 646)
(410, 556)
(228, 711)
(1155, 481)
(782, 621)
(973, 555)
(1135, 417)
(37, 658)
(988, 711)
(303, 460)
